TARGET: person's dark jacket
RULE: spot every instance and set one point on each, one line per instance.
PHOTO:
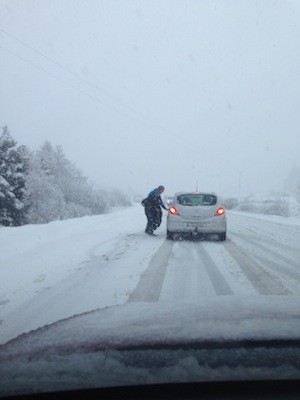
(154, 200)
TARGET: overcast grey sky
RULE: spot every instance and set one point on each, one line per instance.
(141, 93)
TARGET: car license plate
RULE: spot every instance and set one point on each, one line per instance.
(194, 224)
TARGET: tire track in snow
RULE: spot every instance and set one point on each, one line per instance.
(186, 278)
(277, 263)
(273, 252)
(283, 272)
(264, 283)
(150, 284)
(264, 231)
(217, 279)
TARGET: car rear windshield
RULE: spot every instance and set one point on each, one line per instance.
(197, 199)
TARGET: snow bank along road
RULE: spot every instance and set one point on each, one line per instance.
(54, 271)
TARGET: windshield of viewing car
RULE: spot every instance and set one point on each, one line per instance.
(197, 200)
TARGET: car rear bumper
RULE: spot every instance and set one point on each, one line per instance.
(213, 225)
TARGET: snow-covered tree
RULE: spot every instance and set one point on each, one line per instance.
(44, 202)
(13, 168)
(56, 188)
(117, 198)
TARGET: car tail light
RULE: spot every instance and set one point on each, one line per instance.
(220, 211)
(173, 210)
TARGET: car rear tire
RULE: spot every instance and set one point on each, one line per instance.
(222, 236)
(170, 235)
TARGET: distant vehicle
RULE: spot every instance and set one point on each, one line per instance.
(195, 214)
(168, 200)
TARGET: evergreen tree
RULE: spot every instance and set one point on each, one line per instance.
(13, 166)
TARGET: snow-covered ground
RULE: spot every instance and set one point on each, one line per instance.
(53, 271)
(100, 281)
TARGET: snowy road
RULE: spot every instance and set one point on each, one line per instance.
(54, 271)
(259, 257)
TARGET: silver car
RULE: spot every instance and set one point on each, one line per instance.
(196, 213)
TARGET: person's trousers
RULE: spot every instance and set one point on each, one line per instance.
(154, 216)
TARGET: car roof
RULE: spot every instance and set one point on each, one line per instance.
(207, 193)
